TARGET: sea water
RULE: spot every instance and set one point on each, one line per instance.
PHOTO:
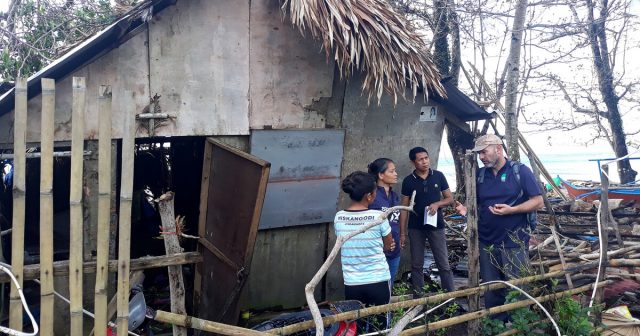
(569, 166)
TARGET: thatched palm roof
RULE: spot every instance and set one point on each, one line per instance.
(369, 36)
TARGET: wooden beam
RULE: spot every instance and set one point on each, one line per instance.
(470, 167)
(19, 188)
(453, 119)
(104, 209)
(46, 207)
(61, 268)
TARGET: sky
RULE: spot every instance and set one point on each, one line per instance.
(553, 103)
(547, 141)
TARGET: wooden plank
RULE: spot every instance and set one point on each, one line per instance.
(46, 207)
(61, 268)
(104, 209)
(230, 224)
(172, 246)
(75, 207)
(470, 166)
(202, 219)
(19, 188)
(554, 222)
(124, 228)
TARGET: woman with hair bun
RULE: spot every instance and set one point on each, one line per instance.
(364, 266)
(384, 171)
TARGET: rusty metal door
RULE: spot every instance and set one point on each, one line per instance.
(231, 198)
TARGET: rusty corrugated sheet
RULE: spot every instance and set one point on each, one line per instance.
(304, 181)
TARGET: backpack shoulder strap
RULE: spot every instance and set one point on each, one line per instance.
(480, 176)
(515, 166)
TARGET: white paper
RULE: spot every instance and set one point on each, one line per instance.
(429, 219)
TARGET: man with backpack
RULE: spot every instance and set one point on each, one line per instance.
(508, 196)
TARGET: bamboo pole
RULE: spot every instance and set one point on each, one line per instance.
(19, 187)
(205, 325)
(473, 327)
(554, 223)
(355, 314)
(75, 207)
(172, 246)
(104, 209)
(495, 310)
(124, 229)
(61, 268)
(46, 207)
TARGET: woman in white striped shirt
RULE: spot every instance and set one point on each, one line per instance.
(364, 265)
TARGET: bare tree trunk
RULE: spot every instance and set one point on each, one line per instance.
(459, 141)
(441, 56)
(448, 62)
(598, 41)
(513, 76)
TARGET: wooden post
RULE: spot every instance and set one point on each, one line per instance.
(124, 229)
(19, 187)
(172, 246)
(552, 215)
(604, 234)
(470, 165)
(46, 207)
(104, 209)
(75, 207)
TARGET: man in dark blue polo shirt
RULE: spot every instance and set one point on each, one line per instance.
(503, 205)
(432, 193)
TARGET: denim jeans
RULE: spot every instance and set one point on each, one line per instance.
(394, 263)
(501, 263)
(438, 244)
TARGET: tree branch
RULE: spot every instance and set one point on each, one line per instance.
(310, 287)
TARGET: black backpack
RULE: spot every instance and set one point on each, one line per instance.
(532, 217)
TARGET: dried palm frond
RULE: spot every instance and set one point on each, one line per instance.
(369, 36)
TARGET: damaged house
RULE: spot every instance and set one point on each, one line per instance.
(255, 79)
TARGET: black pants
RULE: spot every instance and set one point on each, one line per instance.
(374, 294)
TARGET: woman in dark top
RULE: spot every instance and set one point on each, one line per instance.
(384, 170)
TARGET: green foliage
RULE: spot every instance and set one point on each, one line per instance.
(572, 318)
(399, 289)
(492, 327)
(37, 32)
